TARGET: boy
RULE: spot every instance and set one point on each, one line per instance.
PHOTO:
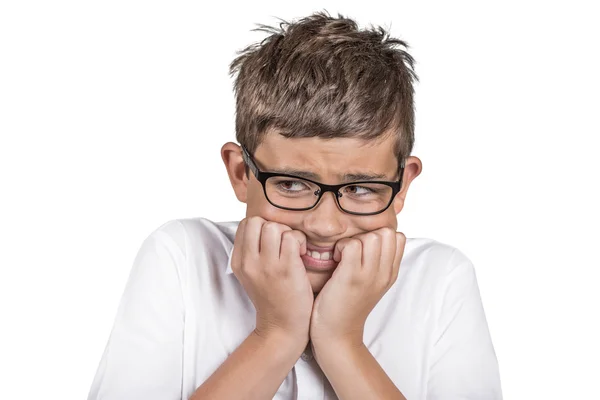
(314, 295)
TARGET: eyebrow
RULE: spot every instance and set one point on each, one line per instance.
(345, 178)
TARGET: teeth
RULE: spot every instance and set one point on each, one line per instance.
(320, 256)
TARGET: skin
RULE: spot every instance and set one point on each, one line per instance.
(325, 224)
(327, 308)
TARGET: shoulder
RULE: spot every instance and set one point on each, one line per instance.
(205, 229)
(433, 258)
(193, 235)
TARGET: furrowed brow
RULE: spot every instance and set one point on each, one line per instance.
(363, 177)
(345, 178)
(296, 172)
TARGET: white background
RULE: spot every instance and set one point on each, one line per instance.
(112, 115)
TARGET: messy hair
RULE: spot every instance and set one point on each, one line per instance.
(322, 76)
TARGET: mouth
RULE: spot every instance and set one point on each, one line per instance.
(318, 258)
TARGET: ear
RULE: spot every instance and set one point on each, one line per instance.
(231, 154)
(412, 169)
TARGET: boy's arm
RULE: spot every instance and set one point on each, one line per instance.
(266, 261)
(355, 374)
(143, 356)
(254, 371)
(463, 362)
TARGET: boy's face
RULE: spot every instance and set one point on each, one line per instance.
(329, 160)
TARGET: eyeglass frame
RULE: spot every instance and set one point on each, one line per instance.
(262, 177)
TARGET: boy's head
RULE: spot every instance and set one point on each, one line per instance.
(323, 100)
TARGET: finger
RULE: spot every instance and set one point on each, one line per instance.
(270, 239)
(252, 236)
(388, 251)
(350, 251)
(238, 244)
(400, 246)
(371, 250)
(293, 244)
(337, 250)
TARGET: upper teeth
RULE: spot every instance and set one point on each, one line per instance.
(319, 256)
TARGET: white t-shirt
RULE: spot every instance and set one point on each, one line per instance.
(184, 312)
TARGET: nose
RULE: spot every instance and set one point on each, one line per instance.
(325, 220)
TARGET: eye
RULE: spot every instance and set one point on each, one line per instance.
(357, 190)
(291, 185)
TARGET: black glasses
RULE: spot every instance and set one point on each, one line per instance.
(291, 192)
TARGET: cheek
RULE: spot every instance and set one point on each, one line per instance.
(374, 222)
(255, 201)
(258, 205)
(289, 218)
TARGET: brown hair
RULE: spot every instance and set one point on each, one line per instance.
(322, 76)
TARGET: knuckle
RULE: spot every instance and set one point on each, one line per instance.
(388, 233)
(289, 235)
(254, 223)
(375, 238)
(258, 220)
(297, 234)
(343, 241)
(270, 226)
(241, 227)
(289, 243)
(355, 244)
(255, 218)
(400, 236)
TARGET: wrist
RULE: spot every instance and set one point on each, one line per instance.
(323, 349)
(282, 339)
(352, 339)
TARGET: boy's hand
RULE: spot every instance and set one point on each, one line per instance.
(368, 266)
(266, 260)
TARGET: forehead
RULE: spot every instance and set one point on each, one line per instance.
(329, 159)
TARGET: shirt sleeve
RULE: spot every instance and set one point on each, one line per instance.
(463, 363)
(143, 356)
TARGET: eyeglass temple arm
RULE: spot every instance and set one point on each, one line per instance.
(249, 162)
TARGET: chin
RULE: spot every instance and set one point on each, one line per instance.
(317, 281)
